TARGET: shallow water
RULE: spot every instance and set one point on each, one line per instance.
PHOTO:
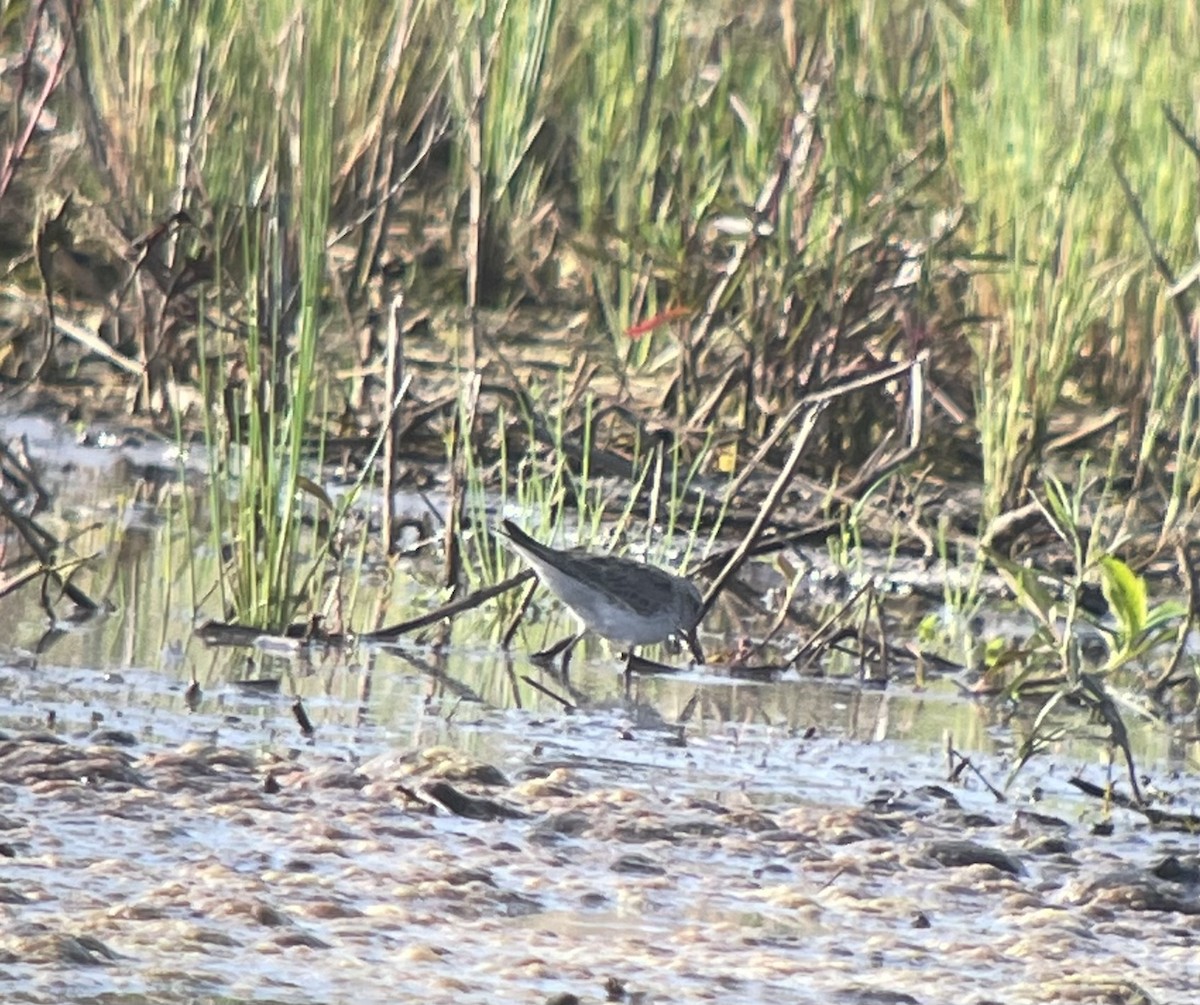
(782, 845)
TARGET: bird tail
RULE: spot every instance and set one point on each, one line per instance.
(521, 539)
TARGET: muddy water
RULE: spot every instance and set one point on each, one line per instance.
(448, 833)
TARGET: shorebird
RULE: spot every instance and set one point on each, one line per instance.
(625, 601)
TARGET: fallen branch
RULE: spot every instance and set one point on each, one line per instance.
(1188, 823)
(35, 537)
(449, 610)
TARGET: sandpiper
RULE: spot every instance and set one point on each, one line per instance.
(625, 601)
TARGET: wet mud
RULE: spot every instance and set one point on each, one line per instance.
(134, 872)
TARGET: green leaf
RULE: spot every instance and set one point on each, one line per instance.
(1059, 513)
(1125, 592)
(1164, 615)
(1026, 584)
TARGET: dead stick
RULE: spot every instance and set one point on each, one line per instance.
(1192, 143)
(812, 645)
(468, 603)
(32, 534)
(807, 425)
(819, 398)
(965, 762)
(14, 583)
(394, 379)
(518, 617)
(547, 692)
(1161, 265)
(463, 424)
(1104, 792)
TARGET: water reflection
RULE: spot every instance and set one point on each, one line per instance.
(137, 661)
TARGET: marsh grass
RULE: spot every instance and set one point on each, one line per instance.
(1039, 132)
(500, 64)
(773, 170)
(269, 517)
(629, 96)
